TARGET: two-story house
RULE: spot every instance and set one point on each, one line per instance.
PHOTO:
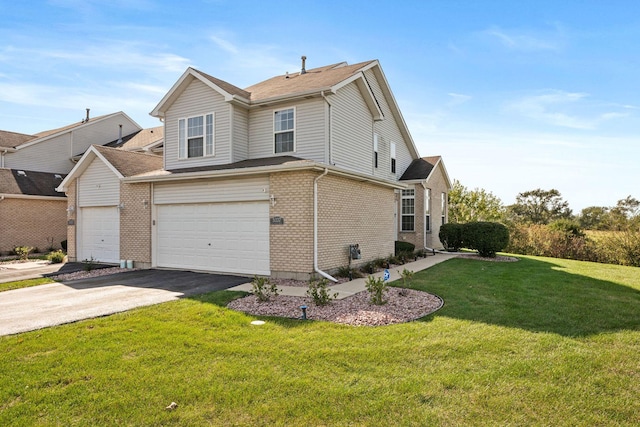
(278, 179)
(32, 213)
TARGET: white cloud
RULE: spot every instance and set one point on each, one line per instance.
(564, 109)
(523, 41)
(457, 99)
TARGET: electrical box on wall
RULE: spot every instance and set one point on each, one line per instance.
(354, 251)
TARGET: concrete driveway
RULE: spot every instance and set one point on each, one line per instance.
(42, 306)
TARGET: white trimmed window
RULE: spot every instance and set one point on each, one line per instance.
(393, 157)
(427, 210)
(284, 130)
(375, 150)
(407, 221)
(196, 136)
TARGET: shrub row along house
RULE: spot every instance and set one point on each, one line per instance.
(278, 179)
(32, 213)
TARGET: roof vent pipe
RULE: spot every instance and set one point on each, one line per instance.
(303, 70)
(120, 135)
(87, 118)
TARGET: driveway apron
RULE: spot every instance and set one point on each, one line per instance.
(52, 304)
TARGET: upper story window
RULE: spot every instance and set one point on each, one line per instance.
(196, 137)
(408, 210)
(375, 150)
(284, 130)
(393, 157)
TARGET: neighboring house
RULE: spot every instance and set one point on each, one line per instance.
(278, 179)
(423, 205)
(32, 213)
(144, 141)
(57, 150)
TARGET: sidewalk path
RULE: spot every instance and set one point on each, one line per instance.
(354, 286)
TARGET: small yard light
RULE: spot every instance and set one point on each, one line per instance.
(304, 312)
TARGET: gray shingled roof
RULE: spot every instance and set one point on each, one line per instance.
(251, 163)
(138, 139)
(130, 163)
(420, 168)
(29, 183)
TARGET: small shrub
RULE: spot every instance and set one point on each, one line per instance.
(392, 259)
(56, 257)
(319, 292)
(369, 268)
(376, 287)
(263, 288)
(403, 247)
(348, 272)
(406, 275)
(63, 244)
(380, 263)
(485, 237)
(89, 264)
(23, 252)
(451, 236)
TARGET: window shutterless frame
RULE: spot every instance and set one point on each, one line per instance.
(408, 209)
(196, 136)
(284, 130)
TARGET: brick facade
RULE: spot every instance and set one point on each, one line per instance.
(135, 224)
(32, 222)
(72, 218)
(291, 244)
(353, 212)
(349, 212)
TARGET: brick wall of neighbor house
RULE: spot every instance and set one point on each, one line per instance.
(417, 236)
(291, 244)
(135, 224)
(30, 222)
(438, 186)
(71, 228)
(353, 212)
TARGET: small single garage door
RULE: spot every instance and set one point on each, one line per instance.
(222, 237)
(100, 234)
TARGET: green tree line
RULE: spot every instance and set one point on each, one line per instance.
(541, 223)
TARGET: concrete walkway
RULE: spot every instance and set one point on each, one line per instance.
(354, 286)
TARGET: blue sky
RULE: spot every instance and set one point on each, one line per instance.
(514, 95)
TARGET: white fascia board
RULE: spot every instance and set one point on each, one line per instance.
(31, 197)
(82, 165)
(179, 87)
(395, 110)
(7, 149)
(261, 170)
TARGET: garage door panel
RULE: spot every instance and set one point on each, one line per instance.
(99, 234)
(227, 237)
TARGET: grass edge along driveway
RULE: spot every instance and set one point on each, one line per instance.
(540, 341)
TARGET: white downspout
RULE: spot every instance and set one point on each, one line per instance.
(315, 228)
(330, 127)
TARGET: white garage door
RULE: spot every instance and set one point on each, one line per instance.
(223, 237)
(99, 234)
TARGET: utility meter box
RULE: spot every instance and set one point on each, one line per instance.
(354, 251)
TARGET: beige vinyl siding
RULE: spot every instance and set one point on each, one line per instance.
(352, 124)
(101, 132)
(389, 132)
(53, 155)
(98, 186)
(198, 99)
(203, 191)
(240, 134)
(310, 132)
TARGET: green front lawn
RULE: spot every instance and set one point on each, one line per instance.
(24, 283)
(536, 342)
